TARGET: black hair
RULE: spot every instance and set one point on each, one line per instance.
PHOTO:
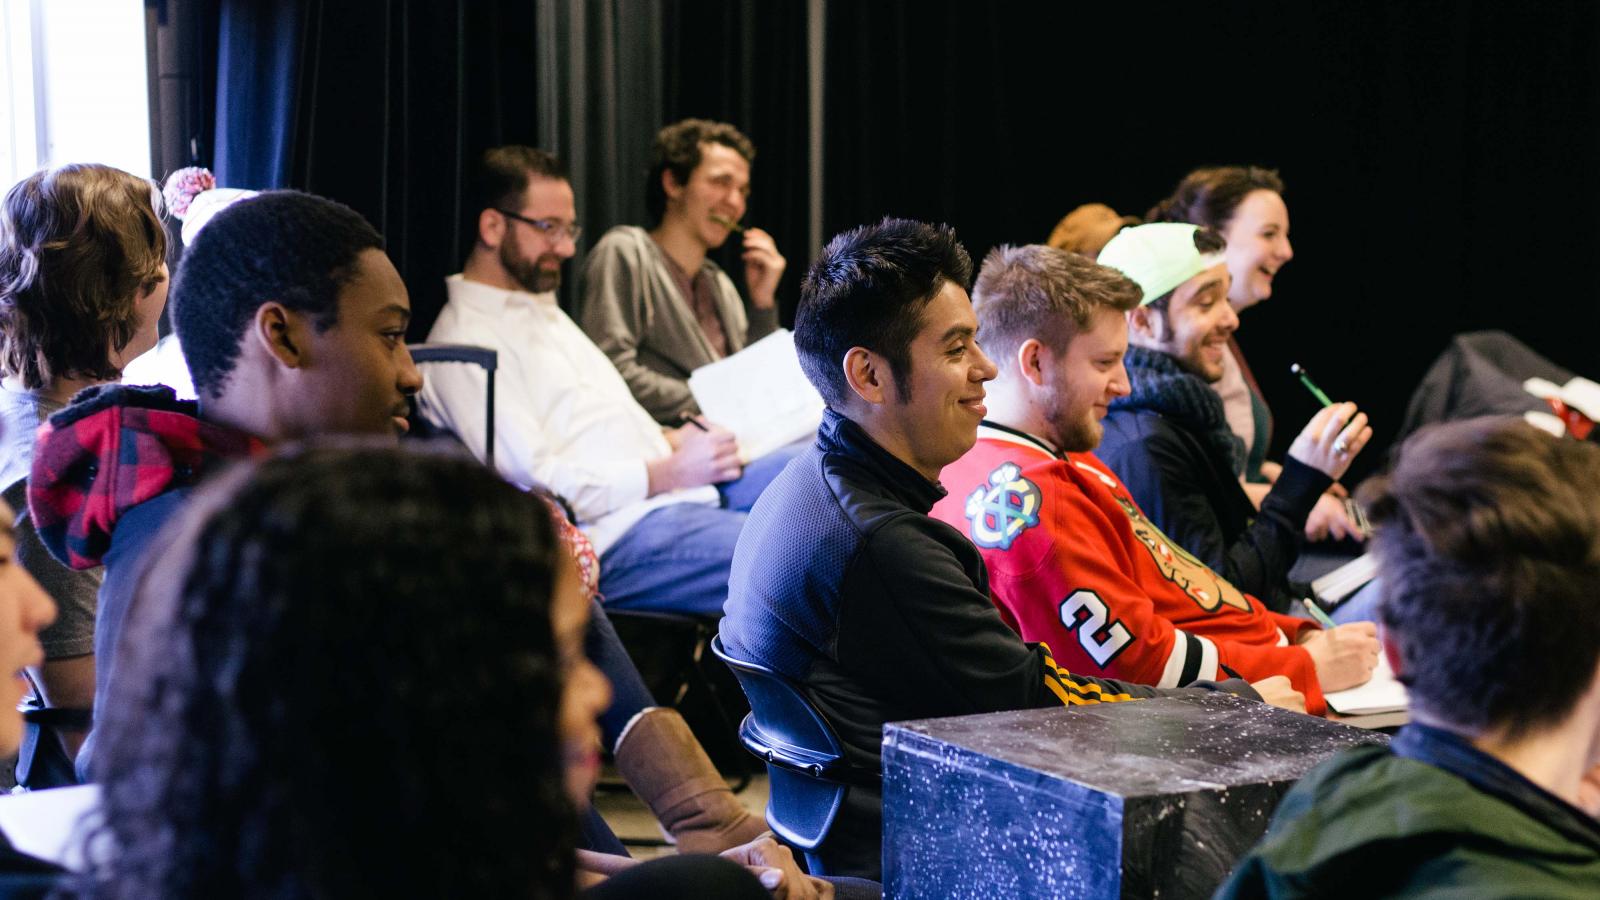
(341, 681)
(677, 149)
(1488, 541)
(297, 249)
(868, 289)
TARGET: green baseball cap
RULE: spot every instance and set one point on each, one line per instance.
(1158, 257)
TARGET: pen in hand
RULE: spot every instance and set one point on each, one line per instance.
(1317, 613)
(687, 419)
(1305, 379)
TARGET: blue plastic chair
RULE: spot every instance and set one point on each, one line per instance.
(806, 768)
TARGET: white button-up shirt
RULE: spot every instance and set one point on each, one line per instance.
(563, 417)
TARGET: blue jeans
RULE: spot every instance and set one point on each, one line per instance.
(742, 492)
(1362, 606)
(676, 559)
(629, 696)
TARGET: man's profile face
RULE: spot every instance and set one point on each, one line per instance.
(1082, 381)
(719, 186)
(357, 375)
(1197, 324)
(534, 257)
(945, 393)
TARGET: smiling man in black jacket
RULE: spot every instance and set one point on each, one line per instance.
(841, 580)
(1169, 441)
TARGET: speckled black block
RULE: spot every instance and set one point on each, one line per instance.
(1156, 798)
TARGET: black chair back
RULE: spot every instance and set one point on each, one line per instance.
(488, 359)
(809, 775)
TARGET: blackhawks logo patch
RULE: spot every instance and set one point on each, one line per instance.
(1003, 509)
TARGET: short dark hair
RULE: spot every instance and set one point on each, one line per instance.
(501, 177)
(1209, 196)
(868, 289)
(677, 149)
(1044, 293)
(298, 249)
(306, 708)
(1206, 240)
(79, 245)
(1488, 541)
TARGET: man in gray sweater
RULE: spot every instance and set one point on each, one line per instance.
(652, 300)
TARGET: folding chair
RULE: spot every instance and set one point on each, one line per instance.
(808, 773)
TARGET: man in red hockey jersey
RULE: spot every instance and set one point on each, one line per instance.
(1072, 560)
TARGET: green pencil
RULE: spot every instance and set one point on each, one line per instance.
(1306, 380)
(1317, 613)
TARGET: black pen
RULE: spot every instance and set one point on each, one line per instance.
(687, 419)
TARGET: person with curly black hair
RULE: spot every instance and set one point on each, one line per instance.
(83, 280)
(236, 758)
(292, 321)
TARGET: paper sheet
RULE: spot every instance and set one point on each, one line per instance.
(1335, 586)
(45, 823)
(760, 394)
(1383, 693)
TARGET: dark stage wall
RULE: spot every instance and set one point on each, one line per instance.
(1440, 156)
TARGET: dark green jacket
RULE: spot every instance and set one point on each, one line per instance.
(1429, 816)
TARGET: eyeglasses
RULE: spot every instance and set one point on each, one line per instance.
(554, 229)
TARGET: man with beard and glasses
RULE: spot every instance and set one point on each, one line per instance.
(1072, 560)
(662, 506)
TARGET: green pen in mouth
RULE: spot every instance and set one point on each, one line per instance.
(727, 223)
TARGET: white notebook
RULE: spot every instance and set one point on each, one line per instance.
(760, 394)
(1335, 586)
(1382, 693)
(51, 824)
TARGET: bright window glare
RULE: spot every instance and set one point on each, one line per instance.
(76, 86)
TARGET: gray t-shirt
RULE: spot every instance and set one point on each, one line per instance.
(75, 592)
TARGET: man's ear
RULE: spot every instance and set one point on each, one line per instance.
(281, 332)
(868, 375)
(491, 229)
(670, 184)
(1031, 361)
(1143, 324)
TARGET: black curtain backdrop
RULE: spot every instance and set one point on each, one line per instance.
(1440, 156)
(380, 104)
(745, 63)
(384, 105)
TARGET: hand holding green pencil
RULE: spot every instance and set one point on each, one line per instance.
(1333, 437)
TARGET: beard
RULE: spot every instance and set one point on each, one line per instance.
(532, 274)
(1075, 432)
